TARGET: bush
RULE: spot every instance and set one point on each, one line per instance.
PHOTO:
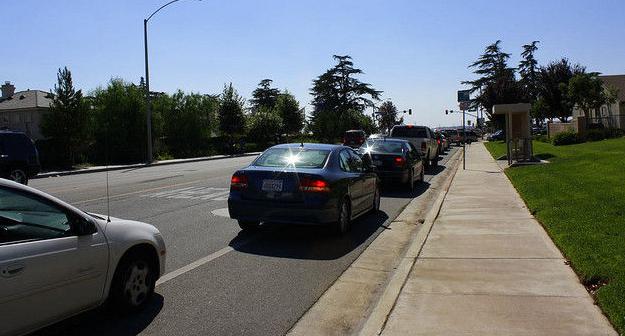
(541, 138)
(565, 138)
(595, 134)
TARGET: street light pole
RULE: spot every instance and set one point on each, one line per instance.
(148, 105)
(464, 142)
(147, 82)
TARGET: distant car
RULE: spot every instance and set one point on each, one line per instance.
(354, 138)
(19, 160)
(57, 261)
(498, 135)
(304, 184)
(422, 138)
(442, 142)
(452, 136)
(396, 161)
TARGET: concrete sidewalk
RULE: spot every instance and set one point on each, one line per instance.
(487, 267)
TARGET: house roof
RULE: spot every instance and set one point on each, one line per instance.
(26, 99)
(616, 81)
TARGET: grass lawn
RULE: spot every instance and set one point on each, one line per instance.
(580, 199)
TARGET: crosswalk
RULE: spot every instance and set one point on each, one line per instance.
(193, 193)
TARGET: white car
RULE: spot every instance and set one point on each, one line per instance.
(57, 261)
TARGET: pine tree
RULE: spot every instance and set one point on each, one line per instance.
(232, 120)
(388, 116)
(339, 101)
(264, 96)
(66, 124)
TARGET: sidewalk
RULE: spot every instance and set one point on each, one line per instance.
(97, 169)
(487, 267)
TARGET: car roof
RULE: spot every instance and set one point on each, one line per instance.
(309, 146)
(409, 126)
(389, 140)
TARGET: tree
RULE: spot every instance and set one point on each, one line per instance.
(264, 96)
(388, 116)
(120, 118)
(496, 83)
(67, 122)
(586, 91)
(339, 100)
(231, 117)
(264, 126)
(287, 108)
(529, 81)
(553, 88)
(188, 123)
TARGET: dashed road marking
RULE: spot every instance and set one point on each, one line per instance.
(194, 193)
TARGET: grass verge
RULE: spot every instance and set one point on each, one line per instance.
(580, 199)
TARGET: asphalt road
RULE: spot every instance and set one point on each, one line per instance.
(244, 284)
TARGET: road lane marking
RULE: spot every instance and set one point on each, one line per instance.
(196, 193)
(187, 268)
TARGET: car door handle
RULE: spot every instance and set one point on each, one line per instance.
(11, 270)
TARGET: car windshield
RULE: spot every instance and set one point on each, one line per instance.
(409, 132)
(381, 146)
(293, 157)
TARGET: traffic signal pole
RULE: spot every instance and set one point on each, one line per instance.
(464, 142)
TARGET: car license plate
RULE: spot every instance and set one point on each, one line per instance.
(272, 185)
(377, 162)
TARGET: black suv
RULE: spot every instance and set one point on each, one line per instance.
(19, 159)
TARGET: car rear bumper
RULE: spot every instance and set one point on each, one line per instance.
(274, 212)
(394, 176)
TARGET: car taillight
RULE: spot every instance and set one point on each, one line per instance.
(313, 185)
(400, 161)
(438, 141)
(238, 182)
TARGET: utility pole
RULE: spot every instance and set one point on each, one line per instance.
(464, 141)
(148, 105)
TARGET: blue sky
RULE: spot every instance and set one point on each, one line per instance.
(417, 52)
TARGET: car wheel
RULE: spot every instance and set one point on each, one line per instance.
(249, 225)
(133, 282)
(18, 175)
(343, 222)
(376, 201)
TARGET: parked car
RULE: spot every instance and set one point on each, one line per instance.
(378, 136)
(453, 136)
(304, 184)
(422, 138)
(396, 161)
(19, 160)
(57, 261)
(498, 135)
(441, 141)
(354, 138)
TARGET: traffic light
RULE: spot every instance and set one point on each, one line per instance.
(469, 122)
(410, 111)
(446, 111)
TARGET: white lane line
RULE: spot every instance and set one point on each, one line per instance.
(184, 269)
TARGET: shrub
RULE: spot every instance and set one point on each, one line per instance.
(541, 138)
(565, 138)
(595, 134)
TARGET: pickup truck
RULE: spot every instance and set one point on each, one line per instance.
(422, 137)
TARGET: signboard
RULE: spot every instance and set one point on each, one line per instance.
(464, 105)
(464, 95)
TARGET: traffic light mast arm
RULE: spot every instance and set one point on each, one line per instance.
(452, 111)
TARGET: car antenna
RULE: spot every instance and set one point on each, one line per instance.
(301, 143)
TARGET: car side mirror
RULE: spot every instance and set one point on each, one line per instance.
(83, 227)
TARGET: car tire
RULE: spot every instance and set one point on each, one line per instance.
(133, 282)
(343, 222)
(18, 175)
(248, 225)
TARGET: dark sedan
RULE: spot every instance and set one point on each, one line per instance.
(304, 184)
(395, 160)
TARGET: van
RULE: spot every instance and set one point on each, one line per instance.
(19, 159)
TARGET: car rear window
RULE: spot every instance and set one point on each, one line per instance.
(354, 134)
(293, 157)
(388, 147)
(409, 132)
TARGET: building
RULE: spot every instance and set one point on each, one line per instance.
(22, 110)
(610, 115)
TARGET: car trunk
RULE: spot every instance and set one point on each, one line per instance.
(271, 185)
(386, 161)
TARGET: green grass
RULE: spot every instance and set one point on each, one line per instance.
(580, 199)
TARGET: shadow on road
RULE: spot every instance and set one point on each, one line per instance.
(108, 322)
(308, 242)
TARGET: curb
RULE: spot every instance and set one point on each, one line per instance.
(140, 165)
(378, 317)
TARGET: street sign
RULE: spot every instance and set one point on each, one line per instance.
(464, 95)
(464, 105)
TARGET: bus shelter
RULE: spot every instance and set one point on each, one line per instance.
(518, 131)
